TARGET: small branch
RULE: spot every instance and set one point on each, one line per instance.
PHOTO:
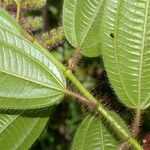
(81, 98)
(18, 3)
(135, 129)
(18, 12)
(75, 59)
(136, 123)
(123, 146)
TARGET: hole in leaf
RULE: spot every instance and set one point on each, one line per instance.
(112, 35)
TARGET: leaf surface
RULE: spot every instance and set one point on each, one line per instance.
(92, 135)
(28, 78)
(20, 132)
(126, 50)
(8, 21)
(16, 131)
(81, 23)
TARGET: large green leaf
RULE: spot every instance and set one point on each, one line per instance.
(28, 78)
(18, 132)
(92, 135)
(126, 50)
(81, 23)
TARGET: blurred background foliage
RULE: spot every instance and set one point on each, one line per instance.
(42, 19)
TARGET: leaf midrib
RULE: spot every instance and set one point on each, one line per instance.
(31, 58)
(115, 48)
(25, 137)
(10, 123)
(101, 135)
(10, 20)
(35, 106)
(86, 130)
(7, 125)
(39, 62)
(14, 28)
(74, 26)
(88, 29)
(34, 82)
(30, 98)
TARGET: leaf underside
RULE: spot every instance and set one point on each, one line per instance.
(126, 50)
(28, 78)
(16, 131)
(8, 21)
(19, 133)
(81, 24)
(92, 135)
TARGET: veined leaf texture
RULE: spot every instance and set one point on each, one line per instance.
(18, 131)
(81, 24)
(7, 21)
(92, 135)
(126, 54)
(28, 78)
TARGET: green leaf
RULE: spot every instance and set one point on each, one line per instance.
(20, 132)
(92, 135)
(8, 21)
(28, 78)
(81, 23)
(126, 50)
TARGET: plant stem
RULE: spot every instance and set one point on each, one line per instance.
(123, 146)
(136, 123)
(74, 60)
(91, 99)
(105, 114)
(100, 107)
(80, 97)
(18, 9)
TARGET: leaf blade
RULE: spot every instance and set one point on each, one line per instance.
(81, 24)
(8, 21)
(29, 79)
(28, 129)
(93, 135)
(125, 58)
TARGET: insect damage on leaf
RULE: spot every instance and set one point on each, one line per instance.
(112, 35)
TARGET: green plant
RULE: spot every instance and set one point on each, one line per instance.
(33, 80)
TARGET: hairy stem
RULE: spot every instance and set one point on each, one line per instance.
(136, 123)
(123, 146)
(74, 60)
(81, 98)
(135, 129)
(100, 107)
(91, 99)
